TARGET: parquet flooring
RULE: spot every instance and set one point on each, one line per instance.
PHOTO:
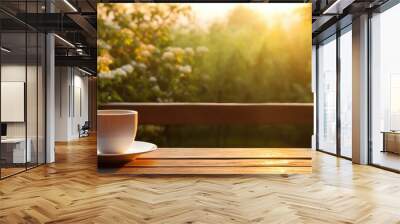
(72, 191)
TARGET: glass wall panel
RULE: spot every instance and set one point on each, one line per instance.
(385, 89)
(35, 87)
(346, 93)
(327, 95)
(14, 151)
(22, 89)
(31, 97)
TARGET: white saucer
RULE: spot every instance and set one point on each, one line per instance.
(136, 148)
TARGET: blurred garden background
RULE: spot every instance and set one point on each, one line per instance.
(213, 52)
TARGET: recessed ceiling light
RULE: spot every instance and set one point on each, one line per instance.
(70, 5)
(5, 50)
(86, 72)
(337, 7)
(65, 41)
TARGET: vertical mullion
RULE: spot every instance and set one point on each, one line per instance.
(73, 92)
(338, 81)
(369, 89)
(80, 102)
(317, 96)
(45, 93)
(69, 92)
(46, 3)
(60, 88)
(26, 86)
(0, 93)
(37, 89)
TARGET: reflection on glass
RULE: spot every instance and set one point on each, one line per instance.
(22, 90)
(327, 96)
(385, 93)
(31, 101)
(394, 102)
(346, 94)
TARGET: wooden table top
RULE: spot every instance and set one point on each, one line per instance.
(217, 161)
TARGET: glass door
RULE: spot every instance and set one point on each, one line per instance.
(14, 144)
(22, 77)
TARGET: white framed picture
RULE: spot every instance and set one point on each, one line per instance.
(12, 101)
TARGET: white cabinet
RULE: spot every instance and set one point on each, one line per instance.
(17, 145)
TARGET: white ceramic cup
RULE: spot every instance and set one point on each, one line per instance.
(116, 130)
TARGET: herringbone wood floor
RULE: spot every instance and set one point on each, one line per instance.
(72, 191)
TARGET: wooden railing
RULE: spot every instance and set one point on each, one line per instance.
(219, 113)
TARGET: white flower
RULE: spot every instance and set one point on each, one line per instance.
(185, 69)
(189, 51)
(202, 49)
(152, 79)
(167, 55)
(120, 71)
(128, 68)
(146, 53)
(105, 75)
(150, 47)
(112, 25)
(178, 50)
(103, 44)
(156, 88)
(141, 66)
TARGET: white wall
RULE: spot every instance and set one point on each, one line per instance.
(71, 102)
(62, 82)
(80, 110)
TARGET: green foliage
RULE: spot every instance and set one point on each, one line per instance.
(157, 53)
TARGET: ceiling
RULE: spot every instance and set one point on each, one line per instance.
(74, 22)
(332, 15)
